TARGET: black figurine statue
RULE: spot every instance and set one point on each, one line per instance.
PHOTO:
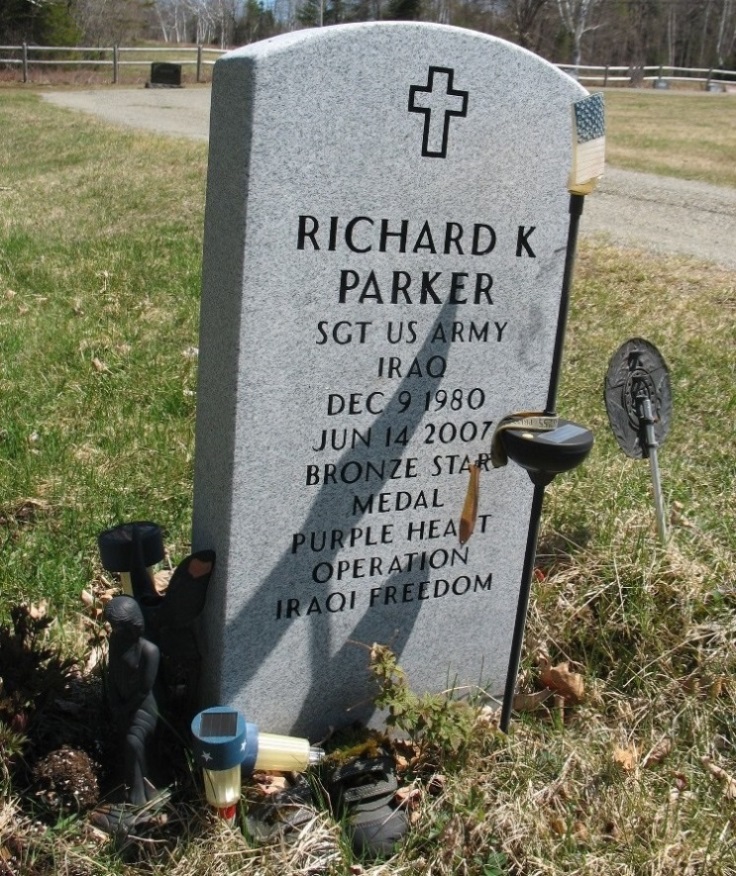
(132, 669)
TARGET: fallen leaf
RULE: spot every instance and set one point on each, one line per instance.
(580, 832)
(729, 781)
(558, 826)
(658, 753)
(408, 797)
(716, 688)
(402, 763)
(680, 790)
(161, 580)
(99, 365)
(626, 758)
(681, 782)
(270, 784)
(406, 752)
(561, 680)
(530, 702)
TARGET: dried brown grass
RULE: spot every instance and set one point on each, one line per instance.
(688, 135)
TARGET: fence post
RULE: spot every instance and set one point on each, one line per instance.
(25, 62)
(707, 81)
(199, 62)
(115, 65)
(605, 77)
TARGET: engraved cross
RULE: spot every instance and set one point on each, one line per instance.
(438, 105)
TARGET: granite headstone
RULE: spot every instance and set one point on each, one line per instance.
(385, 232)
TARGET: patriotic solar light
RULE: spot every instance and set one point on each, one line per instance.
(220, 744)
(225, 745)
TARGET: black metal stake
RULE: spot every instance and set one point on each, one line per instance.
(576, 211)
(649, 445)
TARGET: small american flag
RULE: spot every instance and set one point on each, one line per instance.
(589, 144)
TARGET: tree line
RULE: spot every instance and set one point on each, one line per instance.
(632, 33)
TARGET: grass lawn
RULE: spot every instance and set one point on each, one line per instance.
(687, 134)
(100, 270)
(100, 250)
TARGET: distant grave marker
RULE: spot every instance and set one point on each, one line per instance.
(385, 236)
(165, 75)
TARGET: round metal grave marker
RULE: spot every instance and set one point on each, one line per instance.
(639, 405)
(637, 372)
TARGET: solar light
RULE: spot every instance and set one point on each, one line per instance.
(132, 550)
(220, 742)
(543, 451)
(225, 745)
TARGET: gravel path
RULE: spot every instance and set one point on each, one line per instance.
(664, 214)
(181, 112)
(628, 208)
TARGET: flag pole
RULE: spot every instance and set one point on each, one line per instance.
(587, 168)
(527, 574)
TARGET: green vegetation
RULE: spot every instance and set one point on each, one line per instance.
(48, 23)
(100, 253)
(100, 237)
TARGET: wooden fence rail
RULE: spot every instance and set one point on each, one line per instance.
(27, 56)
(659, 75)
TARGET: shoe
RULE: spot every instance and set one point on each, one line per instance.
(362, 791)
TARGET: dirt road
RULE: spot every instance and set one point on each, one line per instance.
(630, 209)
